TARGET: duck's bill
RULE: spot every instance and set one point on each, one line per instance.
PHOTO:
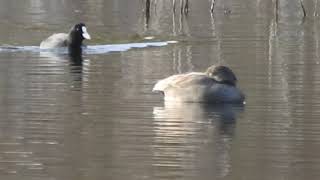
(85, 33)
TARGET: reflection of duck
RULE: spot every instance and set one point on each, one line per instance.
(226, 114)
(72, 40)
(216, 85)
(197, 133)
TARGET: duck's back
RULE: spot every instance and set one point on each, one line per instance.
(55, 41)
(197, 87)
(178, 81)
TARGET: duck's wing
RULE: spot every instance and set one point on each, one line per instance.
(55, 41)
(182, 81)
(162, 84)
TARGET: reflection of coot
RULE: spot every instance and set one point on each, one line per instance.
(72, 61)
(75, 56)
(75, 60)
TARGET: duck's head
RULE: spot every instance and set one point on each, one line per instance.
(222, 74)
(78, 33)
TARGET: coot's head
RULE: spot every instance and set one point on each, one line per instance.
(222, 74)
(77, 34)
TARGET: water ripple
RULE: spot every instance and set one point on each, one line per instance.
(92, 49)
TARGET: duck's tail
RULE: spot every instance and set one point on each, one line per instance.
(158, 87)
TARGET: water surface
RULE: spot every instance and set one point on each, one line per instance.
(94, 116)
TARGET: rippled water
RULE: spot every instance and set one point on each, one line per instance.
(94, 116)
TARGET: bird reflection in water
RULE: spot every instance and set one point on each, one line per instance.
(187, 134)
(65, 61)
(76, 67)
(75, 56)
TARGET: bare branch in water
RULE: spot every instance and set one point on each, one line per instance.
(212, 5)
(147, 12)
(303, 9)
(277, 10)
(316, 9)
(186, 7)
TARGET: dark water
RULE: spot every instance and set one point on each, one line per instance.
(95, 117)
